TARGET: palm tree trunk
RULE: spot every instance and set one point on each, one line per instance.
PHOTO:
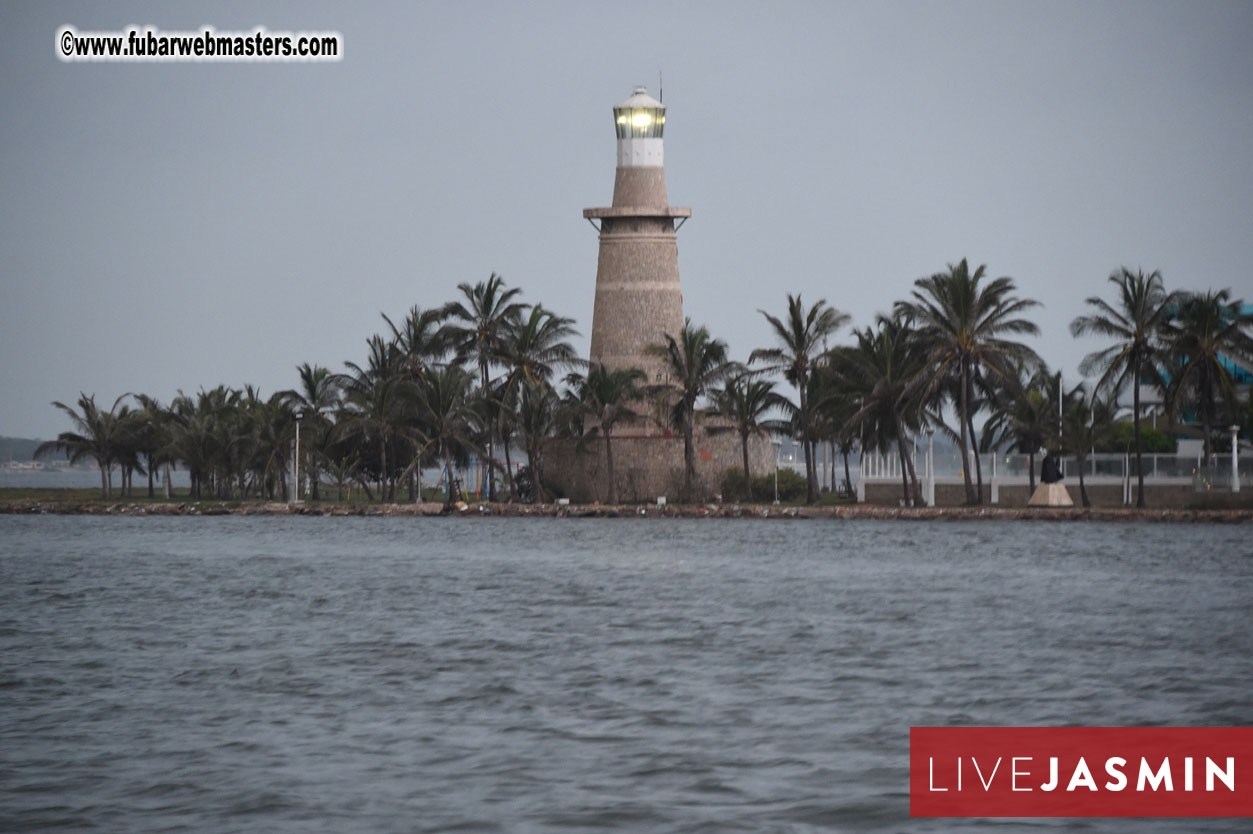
(491, 436)
(508, 465)
(962, 418)
(152, 490)
(848, 479)
(166, 486)
(831, 465)
(1083, 490)
(974, 444)
(913, 479)
(689, 458)
(1030, 475)
(104, 479)
(748, 477)
(535, 456)
(383, 494)
(900, 448)
(1135, 422)
(811, 477)
(612, 497)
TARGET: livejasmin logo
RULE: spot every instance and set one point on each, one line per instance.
(1081, 771)
(1149, 779)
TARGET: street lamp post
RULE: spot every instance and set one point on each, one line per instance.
(299, 415)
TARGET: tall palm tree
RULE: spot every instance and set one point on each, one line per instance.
(744, 402)
(1024, 416)
(801, 337)
(1135, 321)
(539, 418)
(154, 441)
(1208, 332)
(446, 412)
(422, 339)
(879, 372)
(533, 348)
(382, 414)
(1084, 418)
(965, 324)
(385, 361)
(98, 435)
(487, 312)
(837, 409)
(695, 363)
(315, 400)
(605, 397)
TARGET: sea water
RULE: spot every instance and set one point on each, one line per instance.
(663, 675)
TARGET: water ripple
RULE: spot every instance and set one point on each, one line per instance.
(309, 674)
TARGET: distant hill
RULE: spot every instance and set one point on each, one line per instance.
(22, 448)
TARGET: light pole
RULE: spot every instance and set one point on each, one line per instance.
(777, 444)
(299, 415)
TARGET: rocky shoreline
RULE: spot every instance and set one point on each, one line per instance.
(488, 510)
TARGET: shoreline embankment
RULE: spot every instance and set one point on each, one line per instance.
(21, 506)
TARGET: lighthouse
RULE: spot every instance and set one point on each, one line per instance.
(638, 300)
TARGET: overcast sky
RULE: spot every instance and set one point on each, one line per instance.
(170, 226)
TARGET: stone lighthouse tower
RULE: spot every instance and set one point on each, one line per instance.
(638, 302)
(638, 299)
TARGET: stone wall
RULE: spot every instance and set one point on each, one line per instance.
(639, 187)
(648, 465)
(638, 300)
(1101, 494)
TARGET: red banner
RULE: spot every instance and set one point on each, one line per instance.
(1081, 771)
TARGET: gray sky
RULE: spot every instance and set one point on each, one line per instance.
(171, 226)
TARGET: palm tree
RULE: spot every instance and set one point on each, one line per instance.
(801, 336)
(1024, 415)
(837, 410)
(1084, 418)
(384, 362)
(1204, 336)
(605, 396)
(154, 441)
(743, 402)
(532, 349)
(879, 372)
(422, 339)
(695, 362)
(99, 435)
(489, 310)
(446, 411)
(314, 401)
(382, 413)
(539, 418)
(1134, 321)
(964, 324)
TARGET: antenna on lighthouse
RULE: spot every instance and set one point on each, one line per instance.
(661, 90)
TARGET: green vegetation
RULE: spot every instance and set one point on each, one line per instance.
(478, 378)
(1120, 437)
(792, 486)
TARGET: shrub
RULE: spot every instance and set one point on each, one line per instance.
(1120, 437)
(791, 485)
